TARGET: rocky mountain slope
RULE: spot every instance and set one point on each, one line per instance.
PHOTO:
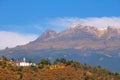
(78, 37)
(95, 46)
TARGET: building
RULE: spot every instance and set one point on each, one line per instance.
(24, 63)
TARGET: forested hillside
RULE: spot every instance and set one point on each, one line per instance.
(60, 69)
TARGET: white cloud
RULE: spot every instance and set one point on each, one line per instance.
(12, 39)
(102, 22)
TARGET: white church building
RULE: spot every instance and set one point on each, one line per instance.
(24, 63)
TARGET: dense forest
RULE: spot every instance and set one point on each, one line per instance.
(60, 69)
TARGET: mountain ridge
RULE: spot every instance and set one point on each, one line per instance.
(85, 34)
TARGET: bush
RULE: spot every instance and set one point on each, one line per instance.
(20, 69)
(45, 62)
(21, 76)
(34, 68)
(41, 66)
(3, 64)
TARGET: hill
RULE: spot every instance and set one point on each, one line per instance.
(94, 46)
(59, 70)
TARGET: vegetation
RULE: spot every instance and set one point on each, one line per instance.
(72, 70)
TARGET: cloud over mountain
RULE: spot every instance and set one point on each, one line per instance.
(102, 22)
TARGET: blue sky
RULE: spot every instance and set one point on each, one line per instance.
(23, 15)
(35, 16)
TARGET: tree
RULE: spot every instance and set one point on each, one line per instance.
(60, 60)
(3, 64)
(40, 66)
(57, 61)
(116, 73)
(69, 62)
(63, 60)
(45, 62)
(20, 69)
(30, 61)
(34, 68)
(12, 59)
(21, 75)
(99, 66)
(4, 58)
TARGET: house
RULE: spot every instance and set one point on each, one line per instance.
(24, 63)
